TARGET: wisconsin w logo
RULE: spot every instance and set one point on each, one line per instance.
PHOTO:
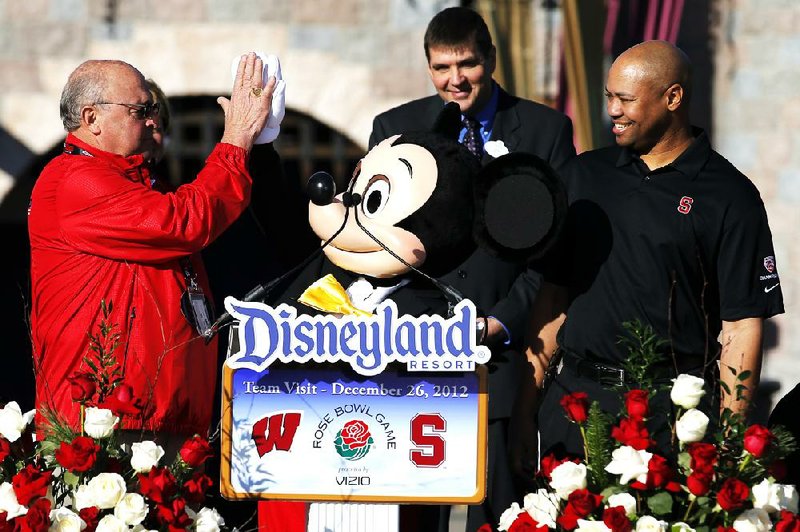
(275, 431)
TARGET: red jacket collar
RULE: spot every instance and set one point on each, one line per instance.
(133, 166)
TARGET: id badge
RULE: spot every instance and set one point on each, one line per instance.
(196, 310)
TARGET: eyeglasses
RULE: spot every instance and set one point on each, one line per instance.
(140, 110)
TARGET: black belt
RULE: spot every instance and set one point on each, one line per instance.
(610, 375)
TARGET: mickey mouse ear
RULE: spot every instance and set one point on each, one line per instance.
(521, 205)
(448, 121)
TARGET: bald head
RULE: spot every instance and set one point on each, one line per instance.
(658, 63)
(90, 83)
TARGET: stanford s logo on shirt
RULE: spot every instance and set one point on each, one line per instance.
(685, 205)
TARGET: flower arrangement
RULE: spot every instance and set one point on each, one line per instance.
(84, 480)
(726, 481)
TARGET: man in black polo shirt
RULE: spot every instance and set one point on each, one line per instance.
(663, 230)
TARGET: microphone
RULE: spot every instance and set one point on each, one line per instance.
(321, 188)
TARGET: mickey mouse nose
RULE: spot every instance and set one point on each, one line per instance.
(321, 188)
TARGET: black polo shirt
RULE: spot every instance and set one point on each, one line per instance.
(680, 248)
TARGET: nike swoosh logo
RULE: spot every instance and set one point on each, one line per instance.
(768, 290)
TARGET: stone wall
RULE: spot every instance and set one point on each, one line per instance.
(757, 117)
(344, 61)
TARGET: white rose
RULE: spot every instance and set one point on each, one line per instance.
(626, 500)
(131, 509)
(13, 421)
(495, 148)
(691, 426)
(208, 520)
(145, 456)
(591, 526)
(508, 517)
(648, 523)
(687, 390)
(680, 526)
(542, 506)
(111, 523)
(754, 520)
(772, 497)
(99, 422)
(105, 490)
(629, 464)
(65, 520)
(9, 502)
(140, 528)
(568, 477)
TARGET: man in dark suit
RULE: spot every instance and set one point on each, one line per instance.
(461, 61)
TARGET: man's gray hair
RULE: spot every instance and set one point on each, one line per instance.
(85, 86)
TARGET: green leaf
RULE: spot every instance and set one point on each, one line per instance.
(744, 375)
(71, 478)
(725, 387)
(660, 503)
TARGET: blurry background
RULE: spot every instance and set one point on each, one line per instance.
(344, 61)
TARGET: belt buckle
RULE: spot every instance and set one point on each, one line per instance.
(609, 376)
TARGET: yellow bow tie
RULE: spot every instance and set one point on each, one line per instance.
(328, 295)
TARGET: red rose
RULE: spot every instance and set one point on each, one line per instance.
(580, 504)
(195, 451)
(8, 526)
(174, 515)
(123, 402)
(5, 449)
(756, 440)
(576, 406)
(158, 484)
(486, 527)
(632, 432)
(30, 483)
(80, 455)
(699, 483)
(636, 404)
(194, 489)
(616, 519)
(524, 522)
(90, 516)
(732, 494)
(704, 456)
(788, 522)
(659, 475)
(355, 434)
(82, 387)
(38, 517)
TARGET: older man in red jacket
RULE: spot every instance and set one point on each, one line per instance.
(99, 231)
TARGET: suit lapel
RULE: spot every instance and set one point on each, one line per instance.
(507, 125)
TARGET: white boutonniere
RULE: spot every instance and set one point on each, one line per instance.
(495, 148)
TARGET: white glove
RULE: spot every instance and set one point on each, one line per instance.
(272, 67)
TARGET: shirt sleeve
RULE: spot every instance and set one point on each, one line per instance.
(749, 283)
(104, 213)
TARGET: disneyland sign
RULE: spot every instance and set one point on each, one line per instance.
(367, 343)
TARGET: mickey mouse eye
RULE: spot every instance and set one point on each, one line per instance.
(375, 196)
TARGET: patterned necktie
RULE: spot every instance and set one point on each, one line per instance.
(472, 138)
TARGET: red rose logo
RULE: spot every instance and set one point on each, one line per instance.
(82, 387)
(636, 404)
(757, 439)
(158, 484)
(30, 483)
(78, 456)
(195, 451)
(354, 441)
(576, 405)
(732, 494)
